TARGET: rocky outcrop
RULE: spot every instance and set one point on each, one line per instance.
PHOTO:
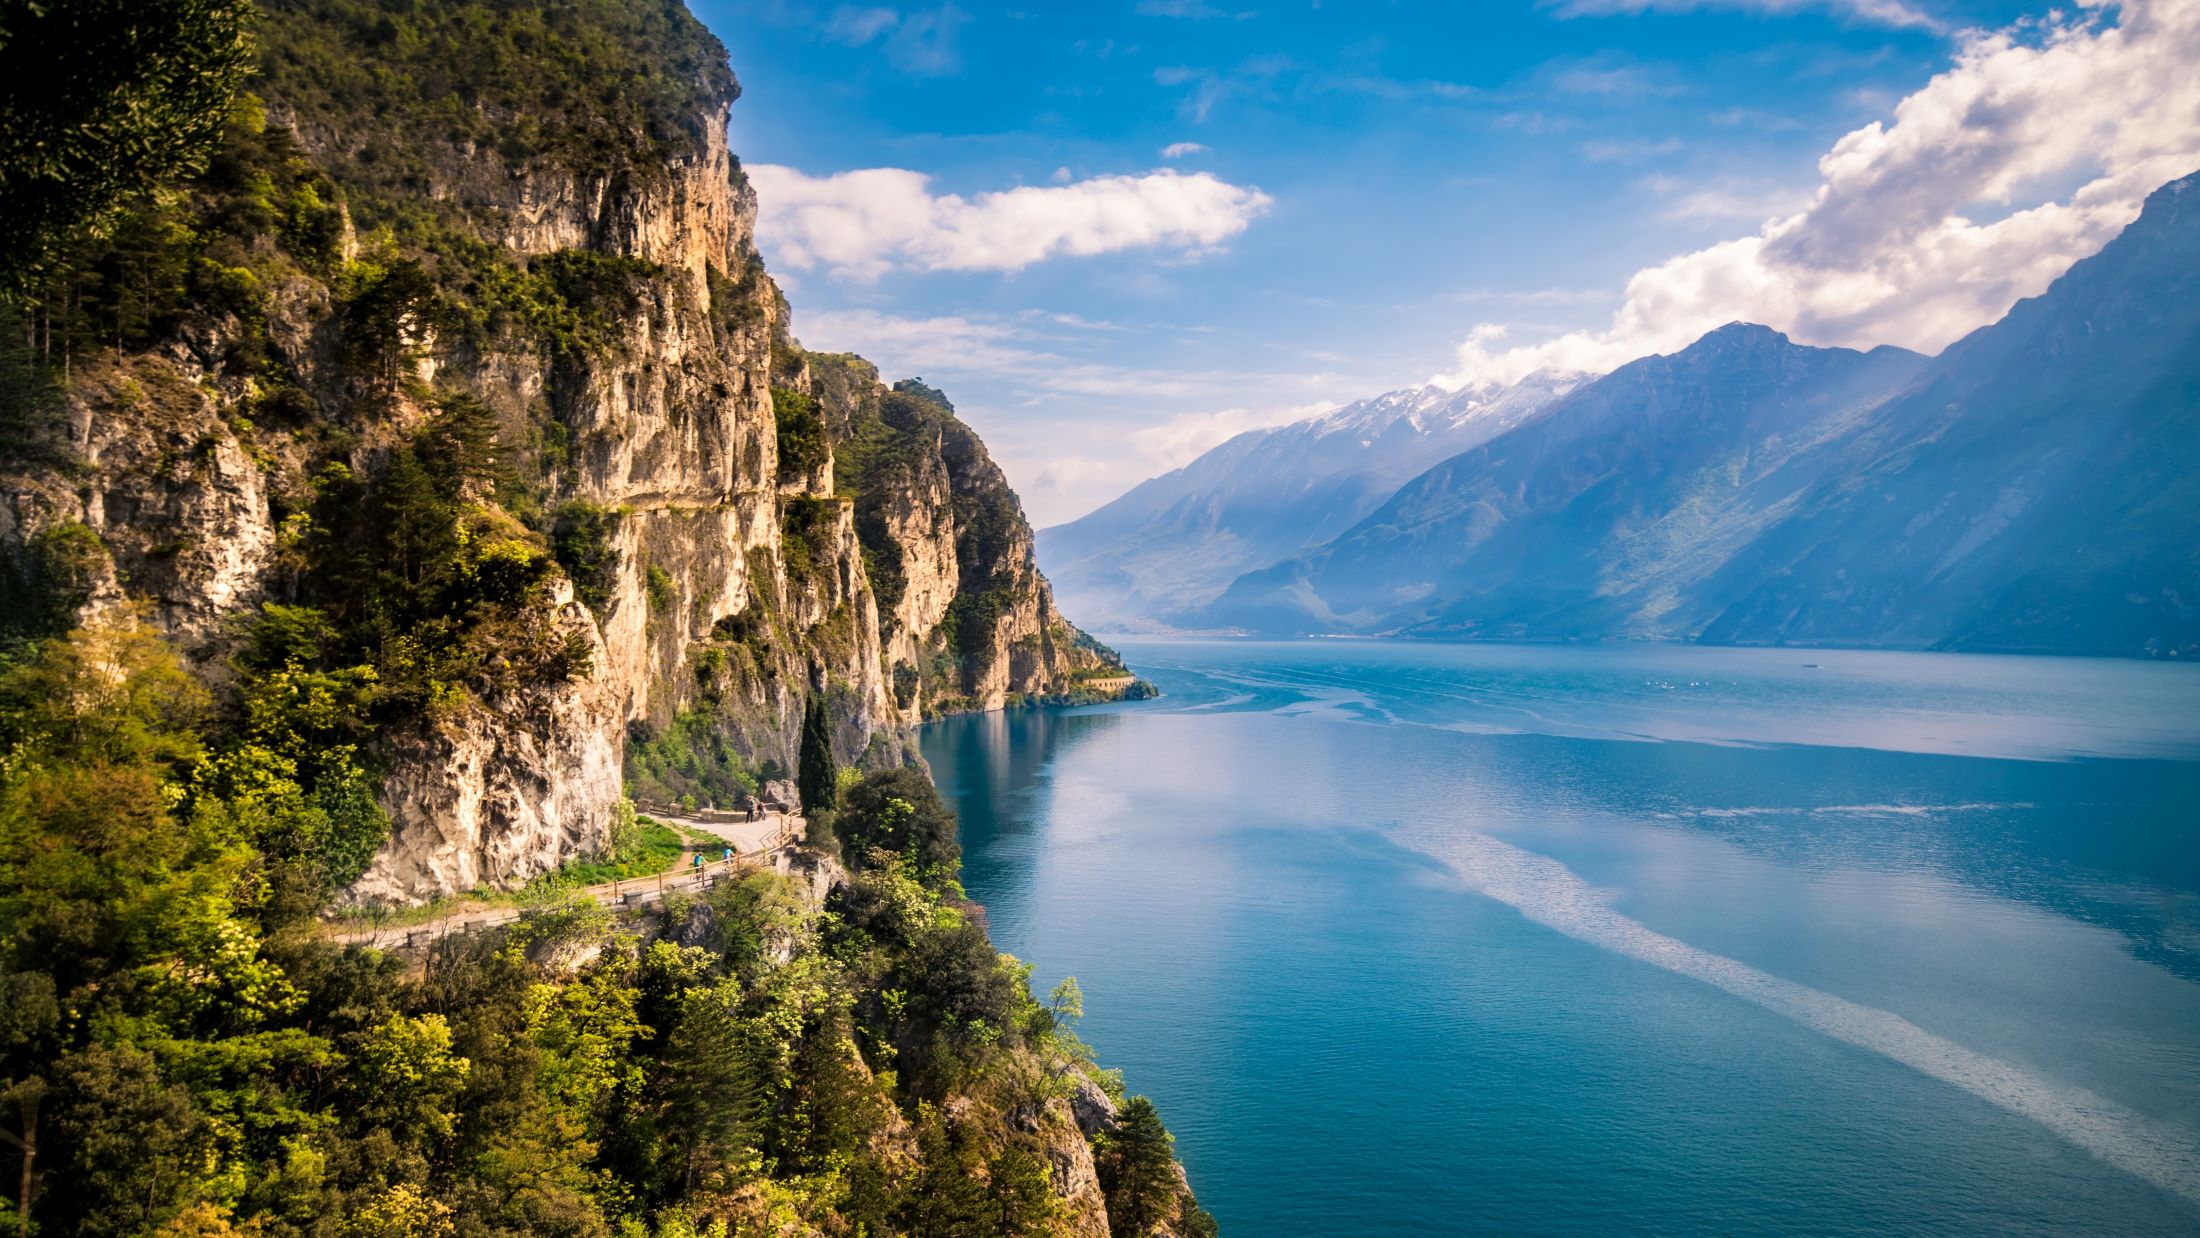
(1092, 1108)
(730, 590)
(966, 621)
(513, 788)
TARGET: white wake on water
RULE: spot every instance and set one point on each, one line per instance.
(1550, 894)
(1864, 810)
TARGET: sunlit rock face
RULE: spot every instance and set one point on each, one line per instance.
(734, 585)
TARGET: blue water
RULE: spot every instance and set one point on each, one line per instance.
(1411, 938)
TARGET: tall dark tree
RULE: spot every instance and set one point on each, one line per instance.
(817, 776)
(107, 99)
(1138, 1171)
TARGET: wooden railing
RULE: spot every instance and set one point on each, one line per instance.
(715, 816)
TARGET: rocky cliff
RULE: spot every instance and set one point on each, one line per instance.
(538, 304)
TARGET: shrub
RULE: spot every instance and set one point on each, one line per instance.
(899, 812)
(804, 445)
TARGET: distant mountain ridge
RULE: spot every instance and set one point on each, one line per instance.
(1575, 524)
(1175, 542)
(2036, 487)
(2037, 490)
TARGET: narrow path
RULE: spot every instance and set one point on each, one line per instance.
(756, 844)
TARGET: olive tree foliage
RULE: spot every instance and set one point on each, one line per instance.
(103, 100)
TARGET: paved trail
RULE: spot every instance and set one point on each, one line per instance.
(765, 843)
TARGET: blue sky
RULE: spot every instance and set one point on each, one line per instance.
(1364, 196)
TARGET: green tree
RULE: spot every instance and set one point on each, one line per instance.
(1067, 1002)
(899, 811)
(713, 1095)
(804, 445)
(818, 771)
(581, 537)
(25, 1097)
(1138, 1171)
(107, 99)
(948, 1197)
(127, 1145)
(45, 579)
(102, 886)
(461, 448)
(406, 1076)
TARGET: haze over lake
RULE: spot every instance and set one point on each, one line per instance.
(1435, 938)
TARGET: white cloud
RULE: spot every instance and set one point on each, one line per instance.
(2035, 148)
(1873, 12)
(905, 345)
(920, 42)
(1186, 436)
(994, 351)
(862, 224)
(857, 26)
(1725, 200)
(1627, 150)
(1178, 150)
(1192, 9)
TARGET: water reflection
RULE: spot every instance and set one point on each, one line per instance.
(1391, 966)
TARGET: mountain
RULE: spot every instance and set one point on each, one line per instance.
(384, 501)
(2037, 490)
(508, 404)
(1575, 523)
(2035, 487)
(1176, 541)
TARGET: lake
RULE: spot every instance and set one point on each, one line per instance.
(1418, 938)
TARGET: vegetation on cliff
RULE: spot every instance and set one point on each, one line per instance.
(182, 1053)
(329, 536)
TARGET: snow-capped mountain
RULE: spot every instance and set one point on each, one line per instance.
(1176, 541)
(2034, 488)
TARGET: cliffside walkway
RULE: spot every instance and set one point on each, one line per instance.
(745, 831)
(765, 843)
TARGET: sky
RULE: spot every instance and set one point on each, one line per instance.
(1118, 233)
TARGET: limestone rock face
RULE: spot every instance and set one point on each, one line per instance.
(1092, 1107)
(510, 790)
(1076, 1181)
(966, 621)
(733, 589)
(179, 502)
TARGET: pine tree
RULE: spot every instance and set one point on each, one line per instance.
(1138, 1173)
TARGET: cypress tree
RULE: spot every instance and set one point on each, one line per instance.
(818, 774)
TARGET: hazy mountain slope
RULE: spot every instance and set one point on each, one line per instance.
(2036, 487)
(1176, 541)
(1587, 520)
(2039, 490)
